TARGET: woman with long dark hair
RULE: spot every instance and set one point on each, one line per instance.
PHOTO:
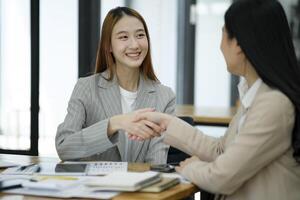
(101, 111)
(258, 157)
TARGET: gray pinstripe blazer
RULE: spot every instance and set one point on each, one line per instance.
(83, 134)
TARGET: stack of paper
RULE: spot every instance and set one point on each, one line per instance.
(56, 186)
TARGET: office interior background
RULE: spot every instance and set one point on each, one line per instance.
(46, 45)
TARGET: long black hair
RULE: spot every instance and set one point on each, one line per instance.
(262, 31)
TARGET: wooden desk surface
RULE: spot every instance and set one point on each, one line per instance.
(178, 192)
(213, 116)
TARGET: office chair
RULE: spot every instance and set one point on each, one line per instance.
(175, 156)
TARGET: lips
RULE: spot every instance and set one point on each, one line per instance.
(133, 54)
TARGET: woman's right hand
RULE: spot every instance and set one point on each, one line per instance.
(160, 119)
(141, 128)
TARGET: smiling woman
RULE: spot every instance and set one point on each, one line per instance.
(101, 110)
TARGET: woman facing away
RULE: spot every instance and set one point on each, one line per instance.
(259, 155)
(102, 107)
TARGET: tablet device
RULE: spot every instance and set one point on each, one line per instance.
(70, 168)
(75, 169)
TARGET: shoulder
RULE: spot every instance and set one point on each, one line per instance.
(163, 91)
(90, 81)
(274, 102)
(85, 84)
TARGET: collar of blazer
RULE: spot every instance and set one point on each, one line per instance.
(111, 102)
(144, 85)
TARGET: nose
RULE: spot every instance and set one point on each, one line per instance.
(134, 43)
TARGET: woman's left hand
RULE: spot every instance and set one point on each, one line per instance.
(186, 162)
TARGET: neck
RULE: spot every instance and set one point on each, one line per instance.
(128, 78)
(250, 75)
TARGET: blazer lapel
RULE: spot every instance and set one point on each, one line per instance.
(110, 95)
(146, 98)
(111, 103)
(233, 127)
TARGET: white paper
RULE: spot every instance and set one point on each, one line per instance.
(176, 175)
(5, 164)
(58, 186)
(124, 181)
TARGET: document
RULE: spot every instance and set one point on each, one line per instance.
(125, 181)
(57, 186)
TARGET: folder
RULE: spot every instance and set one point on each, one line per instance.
(162, 185)
(125, 181)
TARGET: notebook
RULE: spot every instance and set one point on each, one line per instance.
(125, 181)
(162, 185)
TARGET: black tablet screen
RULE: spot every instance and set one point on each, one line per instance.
(70, 167)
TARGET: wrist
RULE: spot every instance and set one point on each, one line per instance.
(113, 125)
(168, 119)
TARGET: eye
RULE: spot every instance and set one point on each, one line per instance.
(123, 37)
(141, 35)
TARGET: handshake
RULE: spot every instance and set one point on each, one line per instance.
(141, 124)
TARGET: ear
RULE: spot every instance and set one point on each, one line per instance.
(238, 47)
(239, 50)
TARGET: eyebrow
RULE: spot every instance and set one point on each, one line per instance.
(138, 30)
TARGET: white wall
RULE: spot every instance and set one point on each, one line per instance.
(161, 19)
(58, 66)
(212, 81)
(15, 68)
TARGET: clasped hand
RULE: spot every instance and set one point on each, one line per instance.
(155, 121)
(140, 125)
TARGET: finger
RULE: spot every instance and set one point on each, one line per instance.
(178, 169)
(136, 130)
(148, 131)
(153, 126)
(163, 127)
(145, 110)
(131, 137)
(139, 117)
(134, 137)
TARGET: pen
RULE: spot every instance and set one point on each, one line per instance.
(25, 166)
(9, 184)
(10, 187)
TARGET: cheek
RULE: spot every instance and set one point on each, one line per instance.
(144, 44)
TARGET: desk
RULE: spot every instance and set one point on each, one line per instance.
(178, 192)
(210, 116)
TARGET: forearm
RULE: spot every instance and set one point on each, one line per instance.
(72, 144)
(191, 140)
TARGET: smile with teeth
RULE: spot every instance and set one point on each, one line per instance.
(133, 55)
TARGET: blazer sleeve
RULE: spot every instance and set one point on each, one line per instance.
(192, 141)
(158, 151)
(73, 139)
(264, 136)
